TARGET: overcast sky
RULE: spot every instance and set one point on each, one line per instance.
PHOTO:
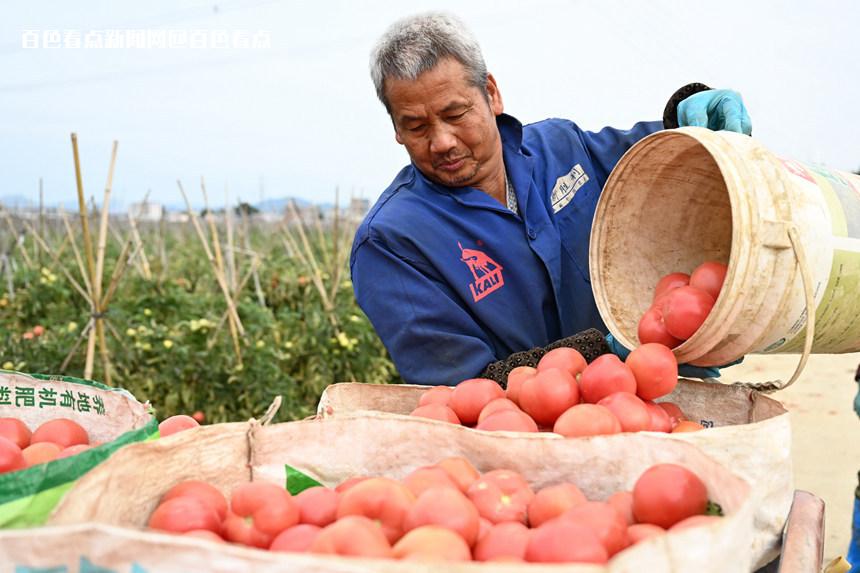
(301, 116)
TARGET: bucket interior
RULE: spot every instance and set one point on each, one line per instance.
(665, 209)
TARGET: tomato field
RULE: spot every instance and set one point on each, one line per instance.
(166, 336)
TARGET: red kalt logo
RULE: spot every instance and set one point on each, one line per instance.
(486, 272)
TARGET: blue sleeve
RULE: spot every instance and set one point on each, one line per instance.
(432, 339)
(608, 145)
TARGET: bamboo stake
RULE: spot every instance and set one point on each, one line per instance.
(219, 262)
(90, 258)
(261, 298)
(118, 272)
(334, 272)
(211, 342)
(100, 263)
(316, 275)
(18, 238)
(41, 213)
(233, 279)
(55, 259)
(63, 246)
(77, 344)
(321, 239)
(236, 324)
(71, 238)
(162, 248)
(135, 233)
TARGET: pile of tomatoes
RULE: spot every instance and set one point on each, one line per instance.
(447, 511)
(58, 438)
(681, 304)
(569, 397)
(21, 448)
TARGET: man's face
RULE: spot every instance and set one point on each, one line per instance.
(447, 125)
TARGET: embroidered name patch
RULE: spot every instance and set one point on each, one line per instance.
(567, 186)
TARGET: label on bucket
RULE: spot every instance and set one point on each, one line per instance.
(837, 321)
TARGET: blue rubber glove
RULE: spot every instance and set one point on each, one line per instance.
(857, 407)
(857, 401)
(685, 370)
(716, 110)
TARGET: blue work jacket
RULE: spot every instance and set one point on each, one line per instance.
(452, 280)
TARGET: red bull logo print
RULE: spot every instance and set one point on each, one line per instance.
(486, 272)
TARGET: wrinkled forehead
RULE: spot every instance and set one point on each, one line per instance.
(437, 90)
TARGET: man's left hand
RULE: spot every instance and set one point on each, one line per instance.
(716, 110)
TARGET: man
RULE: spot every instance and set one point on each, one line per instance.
(479, 248)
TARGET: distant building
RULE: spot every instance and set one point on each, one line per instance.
(146, 211)
(177, 217)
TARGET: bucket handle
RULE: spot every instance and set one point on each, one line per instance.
(809, 295)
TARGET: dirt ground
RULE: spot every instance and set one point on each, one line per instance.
(825, 431)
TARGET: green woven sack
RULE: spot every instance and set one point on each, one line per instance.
(111, 416)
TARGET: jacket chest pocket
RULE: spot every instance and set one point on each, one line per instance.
(574, 220)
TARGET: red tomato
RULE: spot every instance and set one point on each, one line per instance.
(553, 501)
(660, 420)
(604, 376)
(587, 420)
(652, 329)
(62, 432)
(11, 458)
(641, 531)
(506, 541)
(562, 541)
(684, 310)
(470, 396)
(208, 494)
(667, 493)
(709, 277)
(353, 535)
(674, 411)
(687, 426)
(264, 508)
(436, 411)
(655, 369)
(183, 514)
(622, 501)
(604, 520)
(73, 450)
(445, 507)
(630, 411)
(296, 539)
(669, 282)
(237, 530)
(317, 506)
(175, 424)
(563, 358)
(546, 395)
(16, 431)
(515, 381)
(204, 534)
(384, 500)
(508, 421)
(41, 453)
(436, 395)
(501, 495)
(494, 406)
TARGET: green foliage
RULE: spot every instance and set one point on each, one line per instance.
(163, 345)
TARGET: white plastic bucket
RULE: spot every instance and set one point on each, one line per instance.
(789, 232)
